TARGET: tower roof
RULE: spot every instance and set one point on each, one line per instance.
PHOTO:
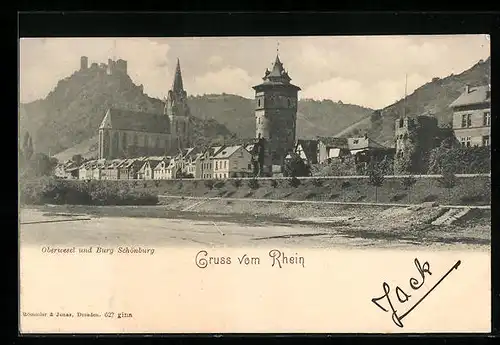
(177, 84)
(277, 76)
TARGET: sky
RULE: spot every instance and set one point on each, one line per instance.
(364, 70)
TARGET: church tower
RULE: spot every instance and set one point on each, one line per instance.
(276, 114)
(176, 108)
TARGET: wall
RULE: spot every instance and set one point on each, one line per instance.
(118, 143)
(467, 191)
(477, 129)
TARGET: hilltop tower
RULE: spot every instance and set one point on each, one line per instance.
(177, 109)
(414, 139)
(84, 63)
(276, 114)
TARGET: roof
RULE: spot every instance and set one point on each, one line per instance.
(177, 84)
(334, 142)
(310, 148)
(135, 121)
(228, 152)
(474, 95)
(214, 150)
(277, 76)
(363, 143)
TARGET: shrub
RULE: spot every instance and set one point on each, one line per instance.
(236, 183)
(375, 177)
(295, 166)
(157, 183)
(180, 185)
(447, 180)
(294, 182)
(50, 190)
(397, 197)
(274, 183)
(460, 160)
(346, 184)
(317, 182)
(219, 184)
(209, 184)
(430, 198)
(253, 183)
(408, 182)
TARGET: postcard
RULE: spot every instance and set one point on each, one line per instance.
(315, 184)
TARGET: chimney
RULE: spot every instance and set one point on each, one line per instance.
(366, 135)
(467, 88)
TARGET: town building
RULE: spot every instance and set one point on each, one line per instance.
(414, 139)
(146, 172)
(276, 115)
(307, 150)
(472, 116)
(330, 148)
(128, 168)
(127, 134)
(232, 161)
(110, 170)
(161, 171)
(206, 162)
(67, 170)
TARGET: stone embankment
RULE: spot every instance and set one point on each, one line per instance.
(376, 215)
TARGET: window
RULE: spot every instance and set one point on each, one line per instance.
(469, 120)
(356, 141)
(258, 102)
(225, 164)
(249, 166)
(464, 120)
(217, 165)
(258, 120)
(259, 135)
(487, 118)
(401, 123)
(465, 141)
(486, 140)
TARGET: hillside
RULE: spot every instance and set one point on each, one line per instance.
(66, 121)
(72, 112)
(432, 98)
(323, 118)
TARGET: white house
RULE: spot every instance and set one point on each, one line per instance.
(232, 161)
(160, 171)
(205, 164)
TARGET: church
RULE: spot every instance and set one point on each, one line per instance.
(125, 133)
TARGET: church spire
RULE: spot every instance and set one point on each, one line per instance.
(177, 85)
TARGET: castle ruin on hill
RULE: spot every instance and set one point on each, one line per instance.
(112, 67)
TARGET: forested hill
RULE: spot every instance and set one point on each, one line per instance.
(432, 98)
(68, 118)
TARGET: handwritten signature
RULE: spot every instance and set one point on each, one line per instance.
(404, 297)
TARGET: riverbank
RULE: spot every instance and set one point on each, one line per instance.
(413, 224)
(463, 190)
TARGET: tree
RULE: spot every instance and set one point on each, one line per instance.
(253, 183)
(77, 159)
(375, 177)
(408, 182)
(295, 167)
(42, 165)
(448, 180)
(27, 146)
